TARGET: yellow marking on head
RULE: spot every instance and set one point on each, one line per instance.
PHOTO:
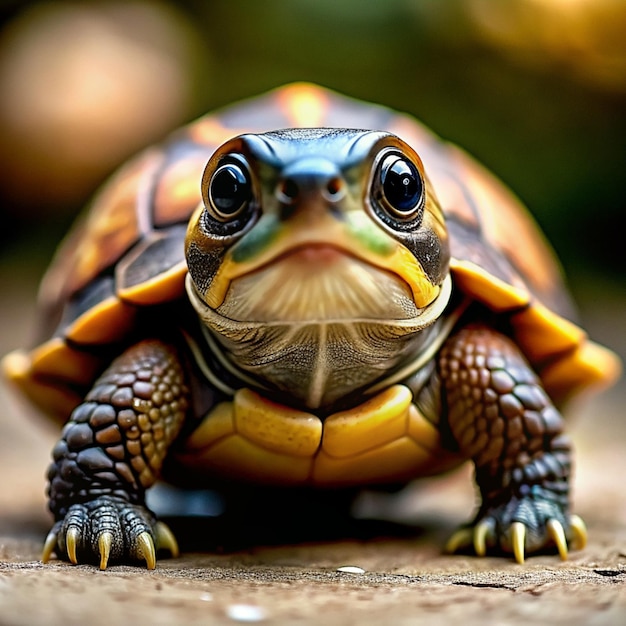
(304, 104)
(405, 265)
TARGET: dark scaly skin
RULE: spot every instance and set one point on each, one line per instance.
(110, 451)
(499, 416)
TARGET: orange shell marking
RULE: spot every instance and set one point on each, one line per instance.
(209, 131)
(384, 439)
(305, 105)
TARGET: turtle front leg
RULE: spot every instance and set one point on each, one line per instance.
(500, 416)
(111, 450)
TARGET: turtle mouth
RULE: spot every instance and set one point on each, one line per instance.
(341, 253)
(314, 256)
(311, 257)
(318, 282)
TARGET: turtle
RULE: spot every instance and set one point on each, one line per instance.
(306, 292)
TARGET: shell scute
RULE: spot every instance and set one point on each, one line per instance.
(107, 322)
(153, 271)
(177, 192)
(111, 227)
(58, 360)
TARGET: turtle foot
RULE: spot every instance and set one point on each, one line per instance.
(513, 530)
(108, 530)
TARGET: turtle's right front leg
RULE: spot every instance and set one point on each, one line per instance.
(111, 450)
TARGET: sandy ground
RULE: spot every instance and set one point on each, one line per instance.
(406, 579)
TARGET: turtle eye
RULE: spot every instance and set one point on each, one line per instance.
(401, 188)
(230, 191)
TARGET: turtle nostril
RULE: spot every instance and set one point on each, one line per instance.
(335, 189)
(292, 190)
(287, 191)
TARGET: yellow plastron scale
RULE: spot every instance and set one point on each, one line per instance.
(384, 439)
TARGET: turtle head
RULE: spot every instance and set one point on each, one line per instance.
(317, 223)
(306, 234)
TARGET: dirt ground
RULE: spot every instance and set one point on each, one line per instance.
(405, 579)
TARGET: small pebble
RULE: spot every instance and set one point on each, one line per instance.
(351, 569)
(206, 597)
(246, 613)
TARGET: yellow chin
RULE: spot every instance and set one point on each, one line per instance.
(319, 283)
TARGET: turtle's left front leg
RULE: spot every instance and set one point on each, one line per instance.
(110, 451)
(500, 417)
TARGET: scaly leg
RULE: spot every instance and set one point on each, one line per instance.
(500, 416)
(111, 450)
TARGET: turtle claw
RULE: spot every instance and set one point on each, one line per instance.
(472, 536)
(49, 546)
(579, 531)
(105, 541)
(72, 538)
(460, 539)
(109, 530)
(557, 534)
(483, 531)
(520, 538)
(146, 548)
(165, 539)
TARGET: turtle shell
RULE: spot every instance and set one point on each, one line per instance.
(126, 253)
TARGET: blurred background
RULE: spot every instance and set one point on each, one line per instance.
(535, 89)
